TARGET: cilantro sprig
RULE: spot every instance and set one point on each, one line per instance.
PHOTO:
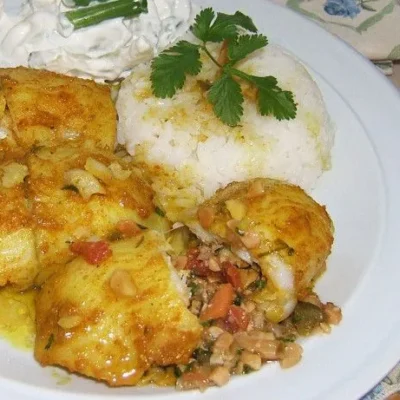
(239, 34)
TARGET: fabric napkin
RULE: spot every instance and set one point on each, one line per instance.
(371, 26)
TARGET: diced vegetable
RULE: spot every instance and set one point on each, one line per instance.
(198, 267)
(237, 319)
(219, 304)
(262, 343)
(220, 376)
(332, 313)
(248, 277)
(251, 360)
(291, 355)
(93, 252)
(223, 342)
(306, 317)
(236, 208)
(202, 355)
(206, 216)
(128, 228)
(98, 169)
(232, 274)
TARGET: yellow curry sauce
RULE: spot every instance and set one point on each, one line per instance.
(17, 317)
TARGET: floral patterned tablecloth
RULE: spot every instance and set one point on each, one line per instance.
(370, 26)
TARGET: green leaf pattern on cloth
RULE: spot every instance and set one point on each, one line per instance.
(395, 53)
(371, 21)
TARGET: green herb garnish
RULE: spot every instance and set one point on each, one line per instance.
(115, 236)
(247, 369)
(93, 15)
(159, 212)
(202, 355)
(140, 242)
(177, 371)
(194, 287)
(240, 232)
(72, 188)
(238, 300)
(258, 285)
(80, 3)
(290, 251)
(170, 68)
(288, 338)
(49, 342)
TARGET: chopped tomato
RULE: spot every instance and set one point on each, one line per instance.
(236, 320)
(92, 252)
(128, 228)
(232, 275)
(198, 267)
(219, 304)
(193, 252)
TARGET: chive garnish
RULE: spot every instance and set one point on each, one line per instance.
(93, 15)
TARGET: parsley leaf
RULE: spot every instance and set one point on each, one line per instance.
(227, 98)
(272, 100)
(202, 24)
(169, 69)
(245, 45)
(225, 26)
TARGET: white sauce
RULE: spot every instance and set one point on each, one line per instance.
(34, 37)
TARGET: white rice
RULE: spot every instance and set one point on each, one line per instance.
(198, 154)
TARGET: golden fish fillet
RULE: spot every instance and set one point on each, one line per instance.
(114, 321)
(9, 149)
(276, 225)
(78, 193)
(49, 109)
(18, 262)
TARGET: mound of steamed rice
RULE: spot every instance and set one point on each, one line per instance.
(189, 153)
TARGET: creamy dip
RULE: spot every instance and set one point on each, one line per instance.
(33, 36)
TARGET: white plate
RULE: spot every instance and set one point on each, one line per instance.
(362, 193)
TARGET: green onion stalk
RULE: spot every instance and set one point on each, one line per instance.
(80, 3)
(93, 15)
